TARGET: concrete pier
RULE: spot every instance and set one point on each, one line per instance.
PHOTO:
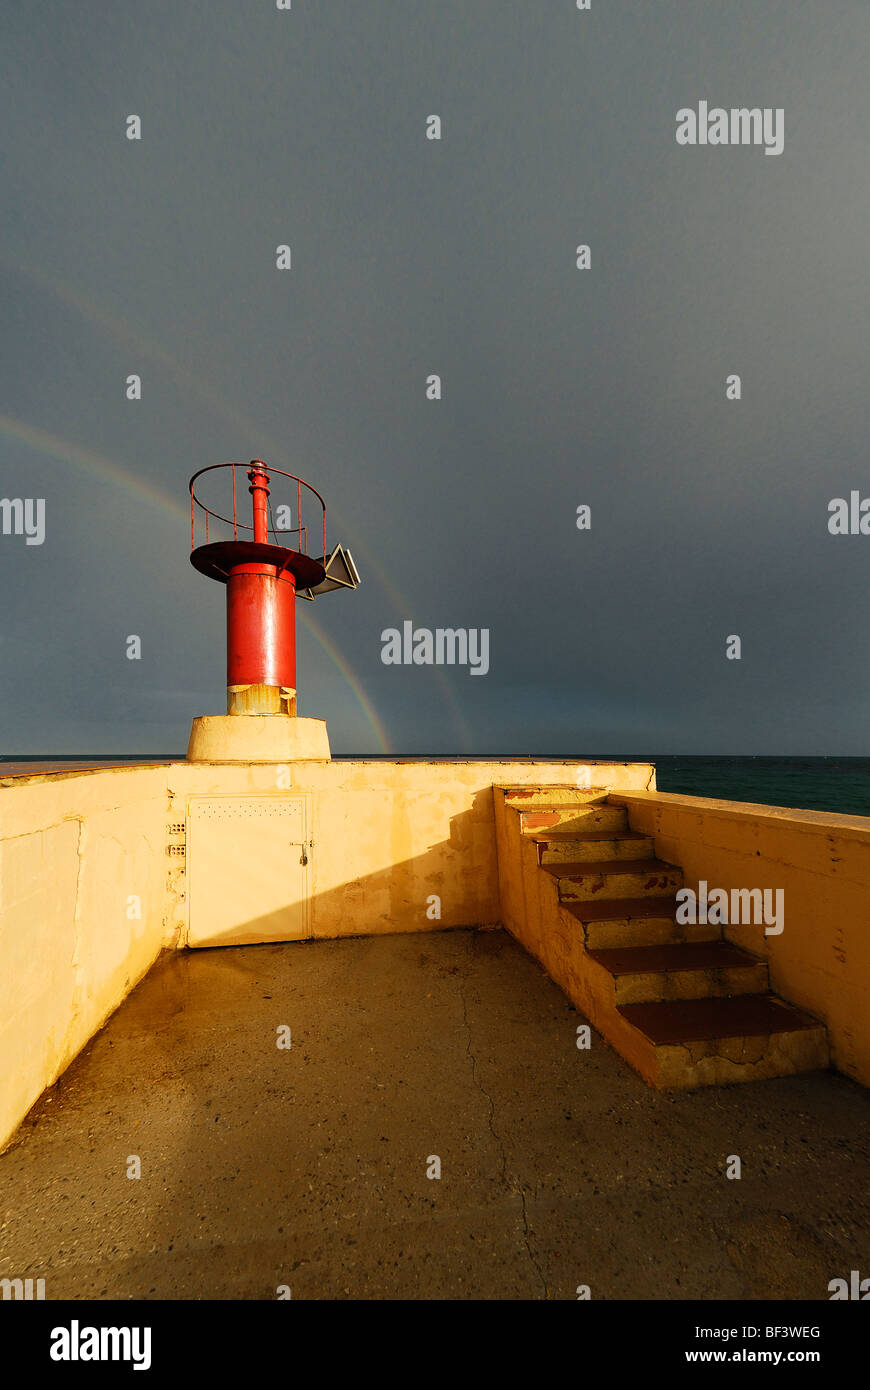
(307, 1167)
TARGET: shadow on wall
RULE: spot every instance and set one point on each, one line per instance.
(454, 883)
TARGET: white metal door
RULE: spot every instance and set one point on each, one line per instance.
(247, 870)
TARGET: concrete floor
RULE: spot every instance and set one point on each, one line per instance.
(307, 1167)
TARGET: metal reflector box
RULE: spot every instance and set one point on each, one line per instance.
(248, 867)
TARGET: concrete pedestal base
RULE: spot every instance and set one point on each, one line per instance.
(257, 738)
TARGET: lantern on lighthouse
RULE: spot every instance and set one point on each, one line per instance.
(265, 564)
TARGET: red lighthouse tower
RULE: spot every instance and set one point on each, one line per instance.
(265, 564)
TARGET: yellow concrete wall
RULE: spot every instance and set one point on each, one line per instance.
(529, 908)
(531, 911)
(821, 861)
(75, 846)
(73, 850)
(387, 836)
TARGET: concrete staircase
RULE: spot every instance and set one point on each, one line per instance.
(587, 896)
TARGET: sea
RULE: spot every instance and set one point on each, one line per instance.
(811, 784)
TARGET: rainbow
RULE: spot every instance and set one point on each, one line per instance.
(267, 447)
(100, 466)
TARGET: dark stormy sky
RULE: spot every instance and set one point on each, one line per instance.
(560, 387)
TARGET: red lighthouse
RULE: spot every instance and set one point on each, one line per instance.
(265, 564)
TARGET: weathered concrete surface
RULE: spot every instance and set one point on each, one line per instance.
(307, 1167)
(256, 737)
(821, 862)
(699, 1034)
(99, 870)
(84, 913)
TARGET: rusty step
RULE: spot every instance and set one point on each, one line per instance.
(681, 1021)
(624, 922)
(681, 970)
(565, 846)
(571, 817)
(686, 1043)
(527, 797)
(615, 878)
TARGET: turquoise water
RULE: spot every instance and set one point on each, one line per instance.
(813, 784)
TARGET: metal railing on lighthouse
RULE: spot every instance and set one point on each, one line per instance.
(265, 564)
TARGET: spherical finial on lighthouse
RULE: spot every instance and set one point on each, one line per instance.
(264, 567)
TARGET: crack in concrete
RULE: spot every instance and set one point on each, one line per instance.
(510, 1181)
